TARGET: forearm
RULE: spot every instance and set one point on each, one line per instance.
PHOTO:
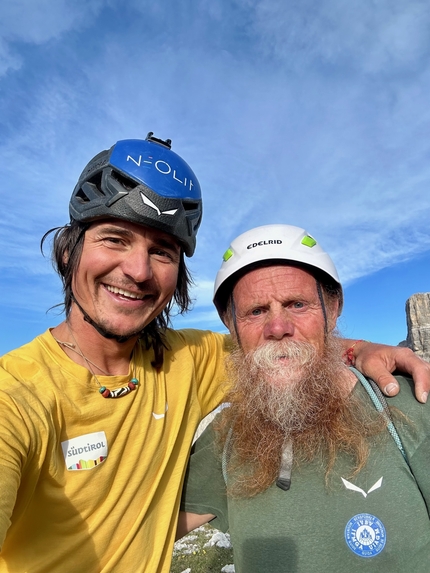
(189, 521)
(378, 361)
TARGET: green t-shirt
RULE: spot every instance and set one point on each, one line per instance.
(376, 522)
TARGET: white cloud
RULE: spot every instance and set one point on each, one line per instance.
(7, 59)
(38, 21)
(315, 114)
(384, 36)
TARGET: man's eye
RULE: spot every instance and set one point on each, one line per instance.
(256, 312)
(298, 305)
(161, 253)
(114, 240)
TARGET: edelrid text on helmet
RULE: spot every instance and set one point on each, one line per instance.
(271, 244)
(264, 243)
(144, 182)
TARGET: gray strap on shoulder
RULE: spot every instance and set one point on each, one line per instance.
(381, 405)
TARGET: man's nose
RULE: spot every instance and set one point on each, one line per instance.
(278, 326)
(138, 266)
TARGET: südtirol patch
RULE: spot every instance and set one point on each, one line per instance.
(85, 452)
(365, 535)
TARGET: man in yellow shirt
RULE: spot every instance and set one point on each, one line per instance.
(98, 413)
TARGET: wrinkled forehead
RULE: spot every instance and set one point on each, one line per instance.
(275, 281)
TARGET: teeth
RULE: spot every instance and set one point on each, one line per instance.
(123, 292)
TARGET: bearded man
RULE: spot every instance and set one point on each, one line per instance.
(308, 468)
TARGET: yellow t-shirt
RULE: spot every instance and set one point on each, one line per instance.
(92, 484)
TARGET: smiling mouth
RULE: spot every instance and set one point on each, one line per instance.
(125, 293)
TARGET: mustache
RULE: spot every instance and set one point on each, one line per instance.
(271, 355)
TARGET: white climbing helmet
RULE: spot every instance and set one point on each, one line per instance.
(274, 244)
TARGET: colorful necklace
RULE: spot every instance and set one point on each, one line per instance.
(105, 392)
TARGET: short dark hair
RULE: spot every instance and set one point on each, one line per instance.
(67, 245)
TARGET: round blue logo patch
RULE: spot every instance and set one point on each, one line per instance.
(365, 535)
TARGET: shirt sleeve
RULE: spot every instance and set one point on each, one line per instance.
(14, 446)
(204, 488)
(209, 350)
(414, 430)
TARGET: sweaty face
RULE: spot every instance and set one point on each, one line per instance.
(280, 303)
(126, 276)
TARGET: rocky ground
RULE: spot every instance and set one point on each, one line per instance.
(205, 550)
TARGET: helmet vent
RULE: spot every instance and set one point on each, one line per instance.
(190, 206)
(125, 182)
(91, 189)
(82, 197)
(88, 191)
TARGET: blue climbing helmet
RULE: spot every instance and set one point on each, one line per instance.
(144, 182)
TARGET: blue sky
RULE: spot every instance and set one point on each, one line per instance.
(313, 113)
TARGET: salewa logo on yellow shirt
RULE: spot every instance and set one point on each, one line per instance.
(85, 452)
(160, 416)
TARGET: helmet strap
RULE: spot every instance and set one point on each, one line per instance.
(321, 297)
(233, 313)
(100, 329)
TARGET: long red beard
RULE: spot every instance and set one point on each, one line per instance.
(285, 389)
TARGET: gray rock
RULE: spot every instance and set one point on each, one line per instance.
(418, 322)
